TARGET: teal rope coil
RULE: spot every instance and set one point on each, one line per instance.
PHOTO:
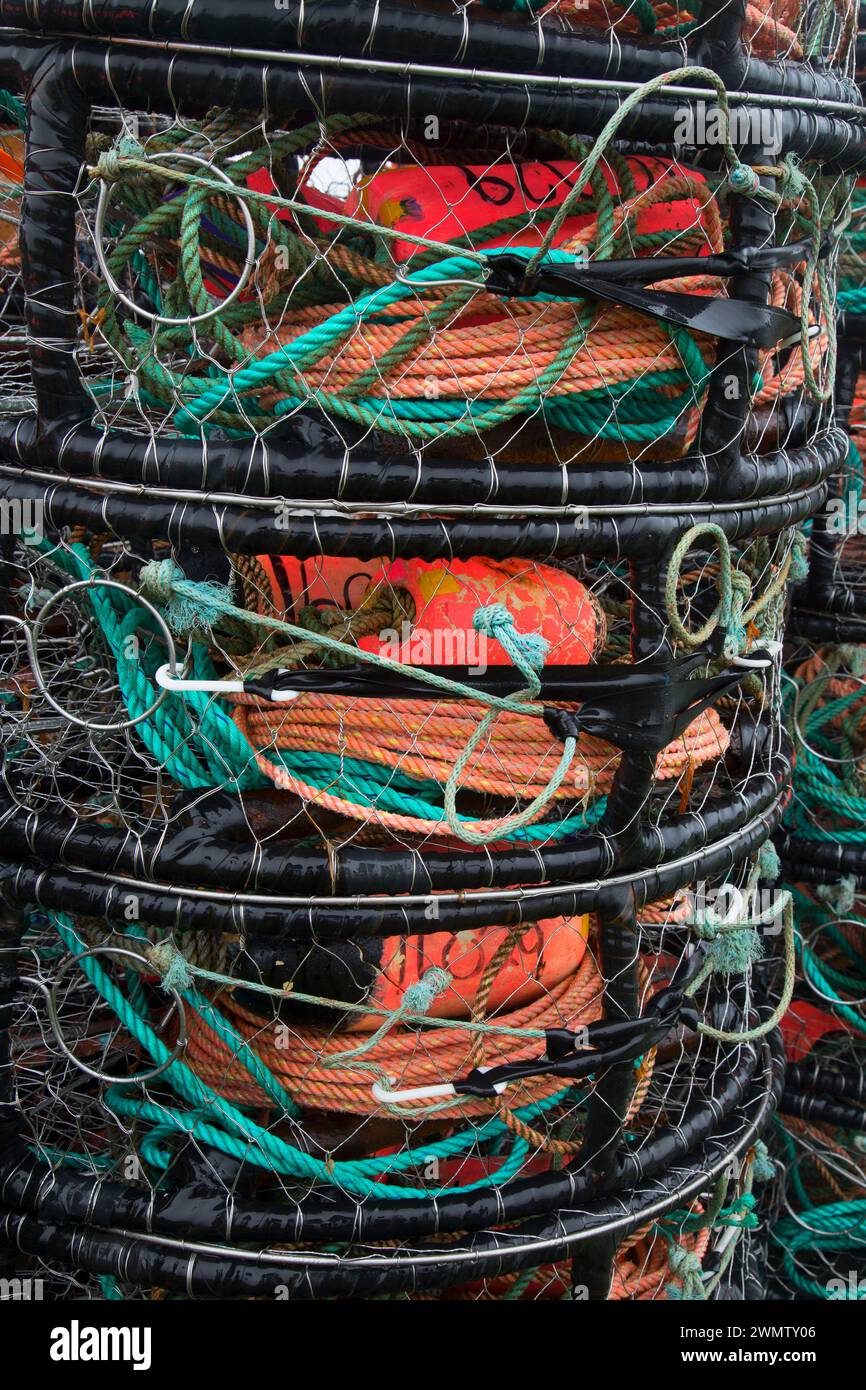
(835, 1229)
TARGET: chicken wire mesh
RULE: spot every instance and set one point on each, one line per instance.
(231, 277)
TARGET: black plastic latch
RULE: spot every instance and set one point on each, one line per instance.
(732, 320)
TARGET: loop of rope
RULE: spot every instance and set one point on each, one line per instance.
(733, 613)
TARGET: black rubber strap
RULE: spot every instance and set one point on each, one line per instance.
(627, 720)
(557, 682)
(618, 281)
(733, 320)
(567, 1053)
(507, 270)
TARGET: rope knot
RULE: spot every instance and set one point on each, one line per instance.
(840, 897)
(685, 1266)
(705, 926)
(744, 180)
(792, 182)
(763, 1167)
(188, 604)
(171, 964)
(741, 1213)
(527, 650)
(492, 617)
(734, 942)
(113, 164)
(799, 558)
(418, 997)
(732, 613)
(158, 579)
(769, 863)
(683, 1262)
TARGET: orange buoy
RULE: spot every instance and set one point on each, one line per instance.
(12, 173)
(540, 598)
(544, 954)
(445, 594)
(325, 581)
(447, 202)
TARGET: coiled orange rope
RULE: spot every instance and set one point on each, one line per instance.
(487, 351)
(310, 1068)
(642, 1267)
(424, 738)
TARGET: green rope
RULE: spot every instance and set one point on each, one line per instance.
(744, 955)
(12, 107)
(838, 1228)
(637, 410)
(735, 586)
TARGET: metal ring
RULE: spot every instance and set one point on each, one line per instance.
(825, 676)
(857, 1002)
(139, 1077)
(249, 261)
(32, 634)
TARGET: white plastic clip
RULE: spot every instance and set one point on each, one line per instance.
(444, 1091)
(168, 679)
(749, 663)
(814, 330)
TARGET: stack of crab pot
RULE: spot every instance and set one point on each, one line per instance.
(814, 1210)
